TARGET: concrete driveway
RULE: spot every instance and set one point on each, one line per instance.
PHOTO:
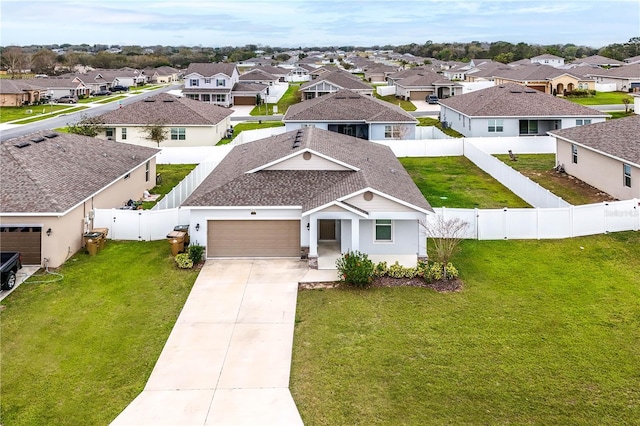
(228, 358)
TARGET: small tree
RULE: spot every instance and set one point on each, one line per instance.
(87, 126)
(626, 101)
(156, 132)
(446, 235)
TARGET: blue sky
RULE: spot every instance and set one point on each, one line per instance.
(293, 23)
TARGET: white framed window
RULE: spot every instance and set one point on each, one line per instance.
(392, 131)
(147, 169)
(220, 82)
(110, 132)
(194, 82)
(383, 231)
(496, 126)
(583, 122)
(207, 81)
(528, 127)
(574, 154)
(178, 134)
(221, 98)
(626, 175)
(124, 133)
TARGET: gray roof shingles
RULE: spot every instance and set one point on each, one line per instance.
(514, 100)
(379, 169)
(58, 173)
(167, 109)
(619, 138)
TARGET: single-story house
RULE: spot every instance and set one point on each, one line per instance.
(331, 82)
(545, 78)
(186, 121)
(290, 194)
(52, 182)
(353, 114)
(513, 110)
(163, 74)
(418, 86)
(258, 76)
(604, 155)
(57, 87)
(626, 78)
(15, 93)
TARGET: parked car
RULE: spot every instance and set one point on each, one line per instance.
(101, 93)
(10, 263)
(67, 100)
(119, 89)
(432, 99)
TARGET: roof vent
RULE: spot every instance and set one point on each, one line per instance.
(38, 139)
(51, 135)
(149, 100)
(167, 100)
(22, 144)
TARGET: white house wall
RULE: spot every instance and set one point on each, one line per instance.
(194, 135)
(405, 238)
(377, 130)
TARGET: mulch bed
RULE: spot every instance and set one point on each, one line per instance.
(442, 286)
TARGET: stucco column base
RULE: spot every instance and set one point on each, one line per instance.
(313, 262)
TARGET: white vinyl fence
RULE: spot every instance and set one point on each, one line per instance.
(140, 225)
(386, 90)
(254, 135)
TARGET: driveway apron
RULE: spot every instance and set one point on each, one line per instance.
(228, 358)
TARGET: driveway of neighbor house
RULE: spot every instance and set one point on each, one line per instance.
(228, 358)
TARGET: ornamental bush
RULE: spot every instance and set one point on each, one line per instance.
(196, 253)
(184, 261)
(381, 269)
(355, 268)
(438, 271)
(398, 271)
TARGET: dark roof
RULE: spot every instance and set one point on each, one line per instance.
(598, 60)
(340, 78)
(57, 173)
(16, 86)
(229, 184)
(210, 69)
(257, 75)
(345, 105)
(167, 109)
(619, 138)
(514, 100)
(534, 72)
(630, 71)
(424, 79)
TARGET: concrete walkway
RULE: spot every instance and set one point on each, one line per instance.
(228, 358)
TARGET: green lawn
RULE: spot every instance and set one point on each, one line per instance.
(289, 98)
(250, 125)
(429, 121)
(602, 98)
(17, 113)
(78, 351)
(171, 175)
(405, 105)
(543, 333)
(457, 182)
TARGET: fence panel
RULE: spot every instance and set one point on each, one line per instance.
(425, 147)
(622, 215)
(140, 225)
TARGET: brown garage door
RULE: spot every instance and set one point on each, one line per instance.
(253, 238)
(419, 95)
(244, 100)
(25, 239)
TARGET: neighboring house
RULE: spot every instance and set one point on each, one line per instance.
(56, 87)
(548, 59)
(331, 82)
(15, 93)
(604, 155)
(187, 122)
(288, 195)
(418, 86)
(279, 72)
(513, 110)
(545, 78)
(632, 60)
(626, 78)
(299, 73)
(258, 76)
(352, 114)
(104, 79)
(249, 93)
(164, 74)
(598, 61)
(378, 73)
(52, 182)
(211, 82)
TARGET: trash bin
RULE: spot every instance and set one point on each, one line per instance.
(91, 242)
(185, 229)
(102, 243)
(176, 241)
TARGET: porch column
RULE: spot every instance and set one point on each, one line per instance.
(313, 237)
(422, 242)
(355, 234)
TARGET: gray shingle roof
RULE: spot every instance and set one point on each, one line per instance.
(167, 109)
(425, 79)
(535, 72)
(341, 79)
(210, 69)
(57, 173)
(631, 71)
(345, 105)
(619, 138)
(379, 169)
(16, 86)
(514, 100)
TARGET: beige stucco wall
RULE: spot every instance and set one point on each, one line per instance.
(67, 231)
(602, 172)
(9, 100)
(195, 135)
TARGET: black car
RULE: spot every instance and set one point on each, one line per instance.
(101, 93)
(119, 89)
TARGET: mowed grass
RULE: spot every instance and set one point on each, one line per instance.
(405, 105)
(249, 125)
(37, 112)
(457, 182)
(170, 175)
(543, 333)
(289, 98)
(78, 351)
(603, 98)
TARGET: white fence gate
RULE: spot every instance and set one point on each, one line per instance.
(140, 225)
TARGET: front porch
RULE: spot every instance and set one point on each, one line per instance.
(329, 252)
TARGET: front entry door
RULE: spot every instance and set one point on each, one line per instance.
(327, 229)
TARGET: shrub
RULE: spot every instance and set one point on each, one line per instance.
(581, 93)
(196, 253)
(381, 269)
(355, 269)
(398, 271)
(438, 271)
(184, 261)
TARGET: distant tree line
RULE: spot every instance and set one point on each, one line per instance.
(45, 60)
